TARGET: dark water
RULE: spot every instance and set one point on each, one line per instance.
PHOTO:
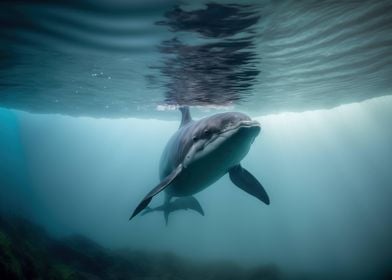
(88, 92)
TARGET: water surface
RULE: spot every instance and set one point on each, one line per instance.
(120, 59)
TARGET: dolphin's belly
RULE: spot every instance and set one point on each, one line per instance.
(205, 171)
(195, 179)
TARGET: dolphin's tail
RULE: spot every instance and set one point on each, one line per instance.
(147, 210)
(183, 203)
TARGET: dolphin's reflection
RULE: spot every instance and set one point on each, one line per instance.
(219, 71)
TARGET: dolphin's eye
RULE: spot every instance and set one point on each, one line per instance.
(194, 138)
(207, 133)
(229, 124)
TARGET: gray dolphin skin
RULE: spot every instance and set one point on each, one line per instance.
(198, 155)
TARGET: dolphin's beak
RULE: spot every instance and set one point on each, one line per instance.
(251, 126)
(250, 123)
(247, 124)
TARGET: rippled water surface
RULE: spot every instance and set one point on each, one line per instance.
(119, 59)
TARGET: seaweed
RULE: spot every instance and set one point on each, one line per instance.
(27, 251)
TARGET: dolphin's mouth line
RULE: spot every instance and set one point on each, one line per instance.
(247, 124)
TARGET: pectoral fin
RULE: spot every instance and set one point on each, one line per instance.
(162, 185)
(247, 182)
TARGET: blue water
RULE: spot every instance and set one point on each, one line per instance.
(88, 96)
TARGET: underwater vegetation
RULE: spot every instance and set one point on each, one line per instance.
(27, 251)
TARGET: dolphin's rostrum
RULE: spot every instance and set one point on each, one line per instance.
(199, 154)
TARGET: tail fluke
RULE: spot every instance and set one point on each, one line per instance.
(186, 203)
(166, 214)
(147, 210)
(183, 203)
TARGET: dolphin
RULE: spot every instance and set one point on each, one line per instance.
(199, 154)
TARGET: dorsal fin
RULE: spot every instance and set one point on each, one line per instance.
(186, 115)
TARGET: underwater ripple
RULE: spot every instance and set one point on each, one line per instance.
(119, 59)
